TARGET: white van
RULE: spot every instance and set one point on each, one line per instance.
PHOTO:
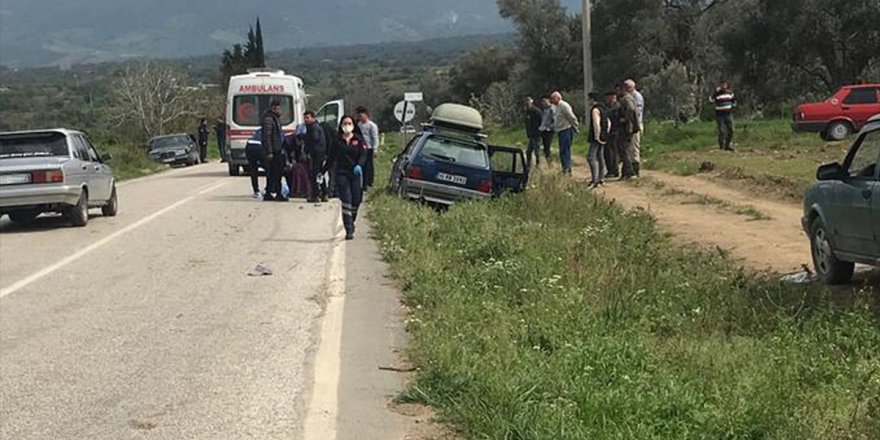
(247, 99)
(249, 96)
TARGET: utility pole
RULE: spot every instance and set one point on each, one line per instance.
(588, 53)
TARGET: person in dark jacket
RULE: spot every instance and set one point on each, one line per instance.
(348, 154)
(612, 147)
(273, 142)
(203, 139)
(256, 157)
(220, 132)
(534, 118)
(315, 150)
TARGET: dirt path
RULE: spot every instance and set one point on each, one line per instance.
(760, 234)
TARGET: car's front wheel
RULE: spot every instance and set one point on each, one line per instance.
(78, 215)
(829, 268)
(112, 206)
(838, 131)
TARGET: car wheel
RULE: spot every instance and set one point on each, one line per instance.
(829, 268)
(112, 206)
(24, 217)
(234, 170)
(824, 135)
(838, 131)
(78, 215)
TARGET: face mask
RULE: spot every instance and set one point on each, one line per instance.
(347, 129)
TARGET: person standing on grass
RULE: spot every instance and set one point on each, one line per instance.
(203, 139)
(629, 130)
(315, 149)
(370, 131)
(272, 139)
(548, 126)
(566, 127)
(533, 119)
(348, 154)
(598, 138)
(220, 132)
(612, 146)
(725, 102)
(630, 88)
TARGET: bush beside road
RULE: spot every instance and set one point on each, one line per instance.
(557, 314)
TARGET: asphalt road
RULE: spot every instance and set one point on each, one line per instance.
(146, 325)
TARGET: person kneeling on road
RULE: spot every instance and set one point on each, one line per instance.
(348, 154)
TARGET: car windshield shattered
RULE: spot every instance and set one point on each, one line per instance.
(455, 151)
(33, 145)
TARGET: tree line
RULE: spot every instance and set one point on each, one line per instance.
(775, 52)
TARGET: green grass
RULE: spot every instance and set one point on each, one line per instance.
(129, 161)
(558, 315)
(769, 157)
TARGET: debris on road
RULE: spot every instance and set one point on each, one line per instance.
(260, 270)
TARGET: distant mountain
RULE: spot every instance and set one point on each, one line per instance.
(66, 32)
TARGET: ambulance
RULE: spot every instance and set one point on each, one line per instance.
(249, 96)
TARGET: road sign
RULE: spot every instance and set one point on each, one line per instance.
(413, 97)
(410, 111)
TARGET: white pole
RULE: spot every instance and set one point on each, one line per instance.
(588, 53)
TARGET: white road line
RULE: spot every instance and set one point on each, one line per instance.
(86, 250)
(323, 409)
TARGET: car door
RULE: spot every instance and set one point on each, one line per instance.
(860, 105)
(80, 173)
(100, 175)
(510, 172)
(853, 222)
(330, 115)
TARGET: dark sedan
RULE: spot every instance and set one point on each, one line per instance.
(174, 149)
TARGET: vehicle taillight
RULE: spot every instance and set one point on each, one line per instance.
(485, 186)
(414, 172)
(52, 176)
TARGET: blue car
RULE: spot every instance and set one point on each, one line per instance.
(449, 161)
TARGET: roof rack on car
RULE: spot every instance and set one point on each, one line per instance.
(453, 131)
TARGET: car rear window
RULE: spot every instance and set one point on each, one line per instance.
(33, 145)
(455, 151)
(248, 109)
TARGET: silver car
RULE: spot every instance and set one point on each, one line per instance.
(53, 171)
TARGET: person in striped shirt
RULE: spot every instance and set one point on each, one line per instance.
(725, 102)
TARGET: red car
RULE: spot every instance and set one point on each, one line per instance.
(844, 113)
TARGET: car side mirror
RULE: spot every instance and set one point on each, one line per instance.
(106, 157)
(832, 171)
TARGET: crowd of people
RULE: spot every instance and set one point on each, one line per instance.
(614, 133)
(314, 163)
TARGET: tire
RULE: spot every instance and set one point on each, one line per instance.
(838, 131)
(78, 215)
(112, 206)
(234, 170)
(24, 217)
(829, 268)
(824, 135)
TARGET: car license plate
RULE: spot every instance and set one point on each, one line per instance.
(15, 179)
(452, 178)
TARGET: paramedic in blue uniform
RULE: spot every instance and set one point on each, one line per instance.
(348, 154)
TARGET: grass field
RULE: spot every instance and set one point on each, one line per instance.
(770, 158)
(558, 315)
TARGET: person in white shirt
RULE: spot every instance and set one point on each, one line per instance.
(630, 87)
(566, 127)
(371, 136)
